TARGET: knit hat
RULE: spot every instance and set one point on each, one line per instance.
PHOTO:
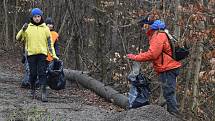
(158, 25)
(36, 11)
(49, 21)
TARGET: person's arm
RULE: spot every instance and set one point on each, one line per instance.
(51, 48)
(154, 51)
(57, 49)
(21, 34)
(50, 44)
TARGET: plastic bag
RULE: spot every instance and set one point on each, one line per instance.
(56, 79)
(139, 92)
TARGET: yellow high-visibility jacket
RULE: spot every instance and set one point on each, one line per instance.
(36, 39)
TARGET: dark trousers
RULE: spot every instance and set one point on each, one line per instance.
(38, 67)
(168, 80)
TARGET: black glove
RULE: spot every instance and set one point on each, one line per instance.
(25, 26)
(23, 59)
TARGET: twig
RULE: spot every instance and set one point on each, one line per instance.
(129, 65)
(186, 27)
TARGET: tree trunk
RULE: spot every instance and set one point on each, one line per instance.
(15, 23)
(99, 88)
(177, 19)
(188, 78)
(6, 24)
(54, 12)
(197, 70)
(200, 27)
(196, 77)
(63, 23)
(115, 42)
(76, 43)
(100, 43)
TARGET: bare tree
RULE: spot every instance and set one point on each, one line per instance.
(177, 19)
(6, 24)
(197, 68)
(91, 32)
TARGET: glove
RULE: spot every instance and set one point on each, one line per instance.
(25, 26)
(55, 58)
(23, 59)
(131, 56)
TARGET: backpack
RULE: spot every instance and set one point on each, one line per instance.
(178, 53)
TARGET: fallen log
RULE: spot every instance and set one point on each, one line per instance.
(98, 87)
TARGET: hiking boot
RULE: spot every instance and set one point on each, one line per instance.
(44, 93)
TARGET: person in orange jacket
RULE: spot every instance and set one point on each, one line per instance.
(159, 53)
(54, 37)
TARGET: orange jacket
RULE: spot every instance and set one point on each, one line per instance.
(158, 45)
(54, 38)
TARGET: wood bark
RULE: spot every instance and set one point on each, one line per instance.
(177, 19)
(196, 77)
(197, 70)
(115, 42)
(76, 43)
(15, 23)
(63, 23)
(99, 88)
(6, 24)
(200, 27)
(100, 42)
(188, 78)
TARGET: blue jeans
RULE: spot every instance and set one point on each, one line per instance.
(168, 80)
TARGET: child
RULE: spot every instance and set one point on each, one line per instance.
(38, 44)
(55, 37)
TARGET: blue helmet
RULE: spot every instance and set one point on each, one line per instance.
(36, 11)
(158, 25)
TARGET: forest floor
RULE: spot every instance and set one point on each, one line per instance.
(15, 102)
(74, 103)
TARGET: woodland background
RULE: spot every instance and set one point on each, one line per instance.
(96, 35)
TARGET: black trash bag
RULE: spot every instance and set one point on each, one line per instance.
(139, 93)
(56, 79)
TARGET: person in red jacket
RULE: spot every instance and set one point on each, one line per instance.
(159, 53)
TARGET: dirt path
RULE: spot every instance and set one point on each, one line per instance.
(71, 104)
(15, 103)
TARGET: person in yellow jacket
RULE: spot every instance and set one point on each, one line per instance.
(37, 38)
